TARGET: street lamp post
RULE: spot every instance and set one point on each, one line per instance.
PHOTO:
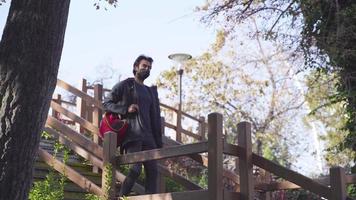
(180, 73)
(180, 58)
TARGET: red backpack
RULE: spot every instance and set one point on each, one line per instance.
(113, 122)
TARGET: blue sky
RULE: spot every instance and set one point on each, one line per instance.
(115, 37)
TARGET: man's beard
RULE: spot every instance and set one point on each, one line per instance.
(143, 74)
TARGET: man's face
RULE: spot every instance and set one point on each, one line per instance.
(143, 69)
(144, 65)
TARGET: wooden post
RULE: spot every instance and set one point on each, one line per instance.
(266, 179)
(97, 115)
(81, 104)
(163, 126)
(245, 161)
(338, 183)
(179, 126)
(161, 182)
(215, 156)
(108, 175)
(236, 170)
(58, 100)
(202, 128)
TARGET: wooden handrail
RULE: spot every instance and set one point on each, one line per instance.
(157, 154)
(168, 107)
(76, 148)
(202, 159)
(64, 101)
(284, 185)
(191, 195)
(89, 156)
(86, 124)
(76, 137)
(70, 173)
(193, 135)
(287, 174)
(191, 150)
(99, 163)
(79, 93)
(178, 178)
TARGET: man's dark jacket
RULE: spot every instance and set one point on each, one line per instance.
(118, 101)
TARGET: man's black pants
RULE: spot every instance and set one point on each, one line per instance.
(150, 168)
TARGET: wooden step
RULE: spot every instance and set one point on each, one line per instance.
(71, 190)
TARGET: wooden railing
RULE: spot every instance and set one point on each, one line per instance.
(78, 131)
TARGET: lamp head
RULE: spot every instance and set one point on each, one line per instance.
(180, 57)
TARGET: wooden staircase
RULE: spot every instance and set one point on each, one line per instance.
(75, 125)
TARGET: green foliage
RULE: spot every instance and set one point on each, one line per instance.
(332, 115)
(108, 179)
(92, 197)
(52, 187)
(201, 180)
(243, 85)
(123, 198)
(45, 135)
(324, 31)
(172, 186)
(351, 190)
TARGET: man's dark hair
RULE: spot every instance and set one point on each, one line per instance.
(138, 60)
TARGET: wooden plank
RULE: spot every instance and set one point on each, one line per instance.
(70, 173)
(161, 180)
(231, 195)
(292, 176)
(178, 178)
(139, 189)
(66, 102)
(338, 183)
(284, 185)
(86, 124)
(55, 114)
(107, 177)
(191, 195)
(76, 137)
(168, 107)
(204, 161)
(82, 105)
(157, 154)
(88, 156)
(287, 174)
(168, 125)
(97, 115)
(351, 178)
(79, 93)
(179, 126)
(161, 183)
(190, 116)
(74, 147)
(215, 156)
(232, 150)
(245, 161)
(202, 128)
(193, 135)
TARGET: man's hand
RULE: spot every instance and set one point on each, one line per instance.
(133, 108)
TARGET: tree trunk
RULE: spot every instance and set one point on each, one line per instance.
(30, 51)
